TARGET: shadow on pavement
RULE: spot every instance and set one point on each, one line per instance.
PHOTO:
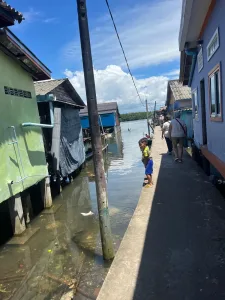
(184, 251)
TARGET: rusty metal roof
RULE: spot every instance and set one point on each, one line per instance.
(8, 15)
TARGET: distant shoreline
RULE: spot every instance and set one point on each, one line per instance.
(134, 116)
(134, 120)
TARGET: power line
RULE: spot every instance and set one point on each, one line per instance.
(128, 67)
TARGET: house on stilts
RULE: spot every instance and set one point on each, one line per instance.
(108, 117)
(23, 162)
(59, 106)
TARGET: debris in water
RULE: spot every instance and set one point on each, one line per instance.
(49, 251)
(90, 213)
(60, 280)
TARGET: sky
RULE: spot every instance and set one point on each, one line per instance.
(149, 33)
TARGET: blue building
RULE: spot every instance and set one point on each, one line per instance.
(202, 67)
(108, 116)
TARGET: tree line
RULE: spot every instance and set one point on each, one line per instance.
(134, 116)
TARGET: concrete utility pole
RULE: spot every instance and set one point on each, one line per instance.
(102, 197)
(146, 102)
(154, 114)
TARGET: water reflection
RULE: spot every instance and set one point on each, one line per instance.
(64, 256)
(115, 148)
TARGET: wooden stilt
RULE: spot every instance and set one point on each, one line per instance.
(27, 208)
(16, 214)
(46, 192)
(48, 195)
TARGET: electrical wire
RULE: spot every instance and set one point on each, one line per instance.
(128, 67)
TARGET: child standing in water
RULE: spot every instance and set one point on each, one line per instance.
(147, 161)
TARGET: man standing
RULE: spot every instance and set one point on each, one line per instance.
(177, 133)
(165, 133)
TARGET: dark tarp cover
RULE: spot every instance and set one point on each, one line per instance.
(72, 153)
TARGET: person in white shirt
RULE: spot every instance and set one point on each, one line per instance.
(165, 133)
(161, 120)
(177, 133)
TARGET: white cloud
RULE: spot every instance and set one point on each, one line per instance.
(31, 15)
(173, 73)
(50, 20)
(113, 84)
(148, 31)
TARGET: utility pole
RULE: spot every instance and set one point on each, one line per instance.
(102, 197)
(154, 113)
(146, 102)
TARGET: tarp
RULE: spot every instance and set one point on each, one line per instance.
(72, 153)
(55, 149)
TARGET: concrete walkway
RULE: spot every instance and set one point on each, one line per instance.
(174, 247)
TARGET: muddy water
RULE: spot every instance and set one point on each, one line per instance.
(64, 254)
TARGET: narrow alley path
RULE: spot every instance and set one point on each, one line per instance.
(174, 247)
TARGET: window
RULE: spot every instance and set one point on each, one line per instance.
(200, 60)
(213, 45)
(195, 104)
(215, 94)
(16, 92)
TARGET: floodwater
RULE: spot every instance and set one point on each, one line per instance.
(64, 255)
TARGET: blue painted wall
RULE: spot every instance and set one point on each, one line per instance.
(186, 116)
(215, 130)
(108, 120)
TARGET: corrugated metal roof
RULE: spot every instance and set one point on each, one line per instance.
(180, 92)
(10, 11)
(55, 86)
(103, 108)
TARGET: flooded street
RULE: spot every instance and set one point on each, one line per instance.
(64, 254)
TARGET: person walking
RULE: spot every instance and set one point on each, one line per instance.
(161, 120)
(165, 133)
(177, 133)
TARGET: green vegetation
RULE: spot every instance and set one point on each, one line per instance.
(134, 116)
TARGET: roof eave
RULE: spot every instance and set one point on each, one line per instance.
(184, 23)
(69, 103)
(13, 47)
(193, 19)
(8, 15)
(68, 84)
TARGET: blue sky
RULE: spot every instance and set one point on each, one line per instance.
(148, 30)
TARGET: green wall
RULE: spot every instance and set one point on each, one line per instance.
(14, 111)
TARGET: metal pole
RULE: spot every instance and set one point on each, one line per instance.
(102, 197)
(146, 102)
